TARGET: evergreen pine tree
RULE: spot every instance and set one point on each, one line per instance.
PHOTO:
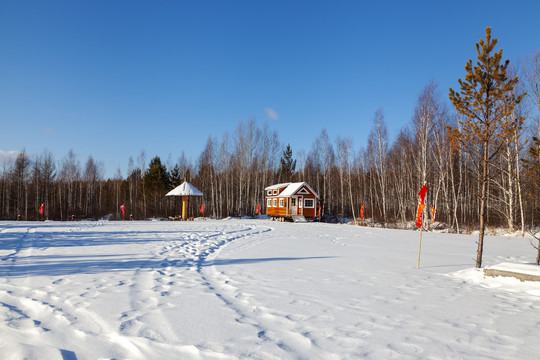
(175, 176)
(486, 100)
(288, 165)
(157, 182)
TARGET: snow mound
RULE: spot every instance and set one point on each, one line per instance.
(510, 284)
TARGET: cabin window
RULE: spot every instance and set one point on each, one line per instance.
(293, 201)
(281, 202)
(268, 202)
(309, 203)
(269, 192)
(275, 202)
(299, 202)
(275, 192)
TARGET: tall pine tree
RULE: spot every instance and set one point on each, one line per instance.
(157, 183)
(486, 100)
(287, 167)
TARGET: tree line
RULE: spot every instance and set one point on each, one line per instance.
(384, 176)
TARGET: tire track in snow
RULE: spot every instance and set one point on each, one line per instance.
(173, 268)
(272, 326)
(166, 273)
(178, 260)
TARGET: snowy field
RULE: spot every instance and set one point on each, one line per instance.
(235, 289)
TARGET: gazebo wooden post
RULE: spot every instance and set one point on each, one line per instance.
(184, 207)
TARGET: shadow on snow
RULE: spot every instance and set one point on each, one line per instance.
(57, 266)
(39, 240)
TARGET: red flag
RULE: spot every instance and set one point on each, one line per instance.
(421, 205)
(123, 208)
(258, 211)
(422, 193)
(362, 212)
(433, 214)
(41, 208)
(319, 210)
(419, 214)
(202, 208)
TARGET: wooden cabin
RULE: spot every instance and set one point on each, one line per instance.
(291, 199)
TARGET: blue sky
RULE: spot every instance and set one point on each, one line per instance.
(112, 78)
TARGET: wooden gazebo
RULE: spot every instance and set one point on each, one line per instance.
(184, 190)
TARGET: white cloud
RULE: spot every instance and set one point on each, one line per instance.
(272, 114)
(6, 156)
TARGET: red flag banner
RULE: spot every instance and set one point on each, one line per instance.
(419, 214)
(123, 208)
(202, 208)
(421, 205)
(422, 193)
(41, 209)
(258, 211)
(362, 212)
(433, 214)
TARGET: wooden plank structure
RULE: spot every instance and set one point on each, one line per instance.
(291, 200)
(523, 272)
(185, 190)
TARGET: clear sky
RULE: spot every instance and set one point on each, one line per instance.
(112, 78)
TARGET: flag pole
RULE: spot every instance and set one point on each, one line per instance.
(420, 247)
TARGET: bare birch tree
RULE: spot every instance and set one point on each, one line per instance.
(378, 151)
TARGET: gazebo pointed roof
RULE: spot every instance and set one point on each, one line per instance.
(185, 189)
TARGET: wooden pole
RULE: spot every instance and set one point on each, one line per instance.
(184, 207)
(420, 247)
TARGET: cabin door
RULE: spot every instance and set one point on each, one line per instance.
(294, 205)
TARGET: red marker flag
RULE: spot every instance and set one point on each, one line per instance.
(419, 213)
(202, 208)
(258, 210)
(41, 208)
(421, 205)
(433, 214)
(123, 208)
(422, 193)
(362, 212)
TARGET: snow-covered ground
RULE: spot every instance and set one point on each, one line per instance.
(258, 289)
